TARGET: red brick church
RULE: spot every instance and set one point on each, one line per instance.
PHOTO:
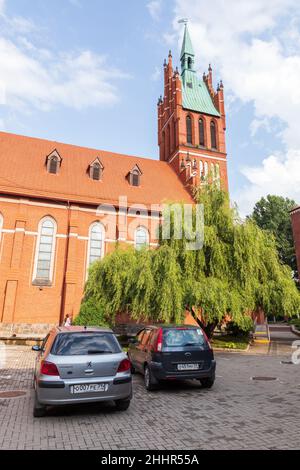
(51, 227)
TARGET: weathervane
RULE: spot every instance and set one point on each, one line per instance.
(183, 21)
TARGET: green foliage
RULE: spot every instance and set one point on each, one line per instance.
(243, 329)
(273, 214)
(91, 314)
(236, 272)
(230, 342)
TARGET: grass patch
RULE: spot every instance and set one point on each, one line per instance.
(230, 342)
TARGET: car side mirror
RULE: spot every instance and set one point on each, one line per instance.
(36, 348)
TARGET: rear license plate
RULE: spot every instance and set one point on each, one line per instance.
(88, 388)
(188, 367)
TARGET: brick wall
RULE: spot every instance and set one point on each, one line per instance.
(296, 232)
(21, 302)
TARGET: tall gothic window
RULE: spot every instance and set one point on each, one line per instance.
(169, 141)
(45, 252)
(201, 132)
(218, 175)
(205, 174)
(201, 169)
(213, 134)
(141, 239)
(96, 243)
(189, 132)
(174, 134)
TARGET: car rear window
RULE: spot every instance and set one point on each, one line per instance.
(183, 337)
(81, 344)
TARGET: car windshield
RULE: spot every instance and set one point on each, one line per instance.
(184, 337)
(82, 344)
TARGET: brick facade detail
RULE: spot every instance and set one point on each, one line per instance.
(295, 214)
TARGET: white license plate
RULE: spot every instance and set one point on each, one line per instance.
(88, 388)
(188, 367)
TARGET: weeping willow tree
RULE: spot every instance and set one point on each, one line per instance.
(236, 272)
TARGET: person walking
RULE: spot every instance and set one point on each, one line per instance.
(68, 321)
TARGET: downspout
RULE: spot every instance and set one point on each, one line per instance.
(63, 290)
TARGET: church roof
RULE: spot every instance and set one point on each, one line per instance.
(195, 95)
(23, 171)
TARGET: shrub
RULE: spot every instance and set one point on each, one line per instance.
(91, 314)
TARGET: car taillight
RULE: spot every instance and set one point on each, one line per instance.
(207, 340)
(124, 366)
(159, 342)
(47, 368)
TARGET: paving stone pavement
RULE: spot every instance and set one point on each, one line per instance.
(238, 413)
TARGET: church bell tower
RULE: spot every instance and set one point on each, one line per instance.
(192, 121)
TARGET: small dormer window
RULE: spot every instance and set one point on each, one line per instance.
(135, 177)
(95, 170)
(53, 163)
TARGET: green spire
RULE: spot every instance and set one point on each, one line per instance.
(195, 94)
(187, 46)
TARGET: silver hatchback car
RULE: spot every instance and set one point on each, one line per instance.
(81, 365)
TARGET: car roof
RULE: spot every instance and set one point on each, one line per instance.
(81, 329)
(164, 326)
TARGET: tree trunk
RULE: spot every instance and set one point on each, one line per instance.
(209, 328)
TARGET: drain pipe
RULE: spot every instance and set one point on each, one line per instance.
(63, 290)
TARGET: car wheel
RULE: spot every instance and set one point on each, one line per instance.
(122, 405)
(39, 410)
(207, 383)
(150, 383)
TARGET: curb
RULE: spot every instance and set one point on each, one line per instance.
(294, 330)
(232, 350)
(21, 341)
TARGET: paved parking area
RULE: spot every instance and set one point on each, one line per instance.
(238, 413)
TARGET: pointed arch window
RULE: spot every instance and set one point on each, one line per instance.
(201, 133)
(45, 252)
(189, 132)
(205, 173)
(201, 169)
(174, 134)
(218, 175)
(141, 238)
(96, 243)
(96, 170)
(213, 134)
(53, 163)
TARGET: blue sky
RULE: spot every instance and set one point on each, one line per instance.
(88, 72)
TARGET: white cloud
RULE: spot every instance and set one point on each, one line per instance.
(254, 46)
(155, 7)
(278, 174)
(35, 77)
